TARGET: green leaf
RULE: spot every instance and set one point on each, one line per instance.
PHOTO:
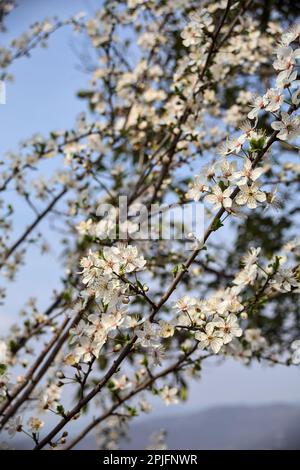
(216, 225)
(222, 185)
(3, 369)
(183, 393)
(60, 409)
(257, 144)
(132, 411)
(175, 270)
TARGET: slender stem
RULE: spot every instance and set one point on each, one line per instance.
(31, 227)
(146, 384)
(35, 379)
(33, 368)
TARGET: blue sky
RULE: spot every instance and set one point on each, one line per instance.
(43, 98)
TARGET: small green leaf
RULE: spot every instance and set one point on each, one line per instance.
(3, 369)
(60, 409)
(216, 225)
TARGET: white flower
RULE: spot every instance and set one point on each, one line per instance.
(113, 320)
(296, 97)
(197, 188)
(220, 198)
(230, 302)
(148, 336)
(246, 276)
(145, 405)
(90, 265)
(186, 304)
(254, 337)
(210, 338)
(202, 19)
(84, 227)
(121, 383)
(286, 81)
(251, 257)
(224, 149)
(77, 331)
(107, 290)
(209, 171)
(192, 34)
(132, 321)
(247, 173)
(274, 99)
(295, 346)
(110, 262)
(88, 349)
(14, 425)
(169, 395)
(284, 280)
(128, 257)
(71, 149)
(288, 127)
(235, 145)
(96, 328)
(228, 170)
(250, 195)
(259, 104)
(286, 59)
(166, 329)
(51, 395)
(105, 228)
(290, 35)
(229, 327)
(273, 200)
(35, 424)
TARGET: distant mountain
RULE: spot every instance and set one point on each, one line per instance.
(226, 427)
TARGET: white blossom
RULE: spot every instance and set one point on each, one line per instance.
(14, 425)
(147, 335)
(248, 173)
(220, 198)
(254, 337)
(169, 395)
(35, 424)
(229, 327)
(250, 196)
(198, 187)
(284, 280)
(288, 126)
(210, 338)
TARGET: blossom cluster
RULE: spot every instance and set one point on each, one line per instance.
(225, 174)
(214, 321)
(37, 34)
(105, 281)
